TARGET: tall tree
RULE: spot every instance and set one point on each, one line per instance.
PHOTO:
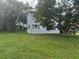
(44, 13)
(64, 13)
(11, 11)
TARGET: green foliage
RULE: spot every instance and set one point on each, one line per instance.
(45, 14)
(11, 12)
(64, 13)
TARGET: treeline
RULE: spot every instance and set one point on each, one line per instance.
(63, 12)
(11, 13)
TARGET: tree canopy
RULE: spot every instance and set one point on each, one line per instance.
(65, 13)
(10, 12)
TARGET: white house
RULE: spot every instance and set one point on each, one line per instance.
(34, 27)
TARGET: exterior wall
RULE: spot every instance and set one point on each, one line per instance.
(36, 30)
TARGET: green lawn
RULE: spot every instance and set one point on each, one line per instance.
(24, 46)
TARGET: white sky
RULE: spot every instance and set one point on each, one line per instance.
(31, 2)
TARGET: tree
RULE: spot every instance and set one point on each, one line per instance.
(76, 7)
(64, 13)
(44, 13)
(11, 11)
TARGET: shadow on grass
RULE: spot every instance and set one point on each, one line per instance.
(65, 37)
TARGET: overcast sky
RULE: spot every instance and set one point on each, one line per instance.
(31, 2)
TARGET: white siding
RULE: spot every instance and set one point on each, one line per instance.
(40, 30)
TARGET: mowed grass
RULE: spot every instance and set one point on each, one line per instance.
(25, 46)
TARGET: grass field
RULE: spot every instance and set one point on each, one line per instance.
(24, 46)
